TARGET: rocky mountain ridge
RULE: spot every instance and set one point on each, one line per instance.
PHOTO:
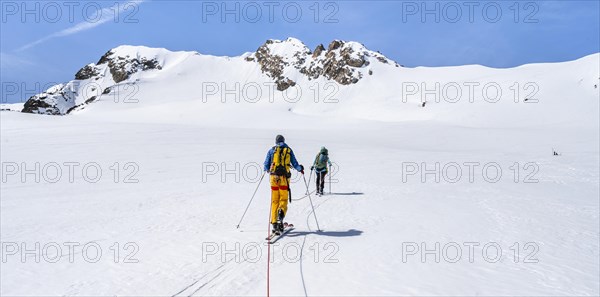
(282, 61)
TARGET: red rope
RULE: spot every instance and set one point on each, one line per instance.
(269, 248)
(268, 267)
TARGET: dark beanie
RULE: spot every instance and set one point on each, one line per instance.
(279, 139)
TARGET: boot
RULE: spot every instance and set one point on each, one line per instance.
(280, 216)
(275, 228)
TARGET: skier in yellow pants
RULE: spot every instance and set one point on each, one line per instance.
(278, 162)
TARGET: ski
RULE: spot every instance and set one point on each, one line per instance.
(274, 236)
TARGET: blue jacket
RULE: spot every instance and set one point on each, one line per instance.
(269, 158)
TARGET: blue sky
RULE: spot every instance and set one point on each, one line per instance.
(45, 43)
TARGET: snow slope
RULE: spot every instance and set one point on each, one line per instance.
(180, 209)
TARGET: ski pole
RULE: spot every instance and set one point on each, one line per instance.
(311, 204)
(309, 177)
(330, 173)
(261, 178)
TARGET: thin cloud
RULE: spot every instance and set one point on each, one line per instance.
(10, 61)
(107, 14)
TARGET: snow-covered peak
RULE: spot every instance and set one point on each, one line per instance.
(121, 64)
(286, 47)
(342, 61)
(291, 50)
(130, 52)
(139, 51)
(285, 62)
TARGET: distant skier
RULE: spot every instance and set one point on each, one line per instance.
(320, 167)
(277, 164)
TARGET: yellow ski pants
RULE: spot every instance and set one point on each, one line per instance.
(279, 196)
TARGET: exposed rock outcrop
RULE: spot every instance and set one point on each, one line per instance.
(318, 51)
(121, 68)
(342, 61)
(87, 72)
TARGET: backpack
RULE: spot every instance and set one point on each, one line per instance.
(281, 161)
(321, 160)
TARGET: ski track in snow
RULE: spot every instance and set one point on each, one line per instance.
(312, 213)
(170, 214)
(196, 281)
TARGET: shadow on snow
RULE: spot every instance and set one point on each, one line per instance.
(349, 233)
(347, 194)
